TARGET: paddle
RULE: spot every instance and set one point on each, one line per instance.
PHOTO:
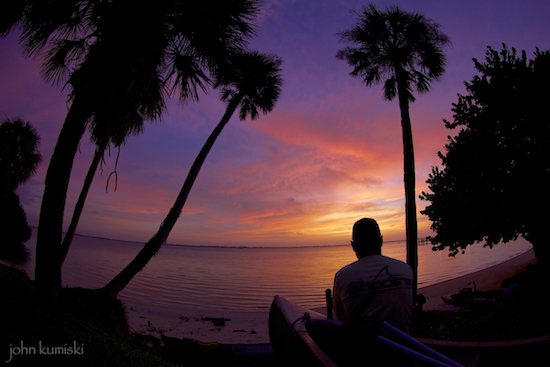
(328, 296)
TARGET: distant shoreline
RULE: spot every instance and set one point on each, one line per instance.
(218, 246)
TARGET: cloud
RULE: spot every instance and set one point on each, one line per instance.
(330, 153)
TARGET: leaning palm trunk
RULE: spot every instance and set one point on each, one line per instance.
(48, 242)
(67, 240)
(151, 248)
(409, 179)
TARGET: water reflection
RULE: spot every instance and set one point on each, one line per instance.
(246, 279)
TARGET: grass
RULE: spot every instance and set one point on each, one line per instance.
(521, 315)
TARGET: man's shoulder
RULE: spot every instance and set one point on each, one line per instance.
(393, 261)
(397, 264)
(380, 261)
(375, 262)
(348, 268)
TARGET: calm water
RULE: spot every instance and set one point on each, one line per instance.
(246, 279)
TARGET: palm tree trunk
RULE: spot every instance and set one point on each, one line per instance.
(151, 248)
(80, 203)
(48, 242)
(409, 179)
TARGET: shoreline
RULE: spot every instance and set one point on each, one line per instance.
(232, 327)
(486, 279)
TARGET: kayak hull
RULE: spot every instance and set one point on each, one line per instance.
(295, 342)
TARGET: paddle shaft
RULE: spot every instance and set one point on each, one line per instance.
(328, 296)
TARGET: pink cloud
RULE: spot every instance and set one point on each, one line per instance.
(330, 152)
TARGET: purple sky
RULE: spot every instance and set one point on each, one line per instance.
(329, 154)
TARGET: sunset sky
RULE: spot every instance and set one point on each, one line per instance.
(329, 154)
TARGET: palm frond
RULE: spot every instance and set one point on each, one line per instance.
(60, 57)
(254, 78)
(390, 88)
(187, 73)
(385, 44)
(123, 62)
(19, 155)
(44, 22)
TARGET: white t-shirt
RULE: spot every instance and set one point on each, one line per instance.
(375, 285)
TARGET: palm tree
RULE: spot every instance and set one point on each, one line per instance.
(253, 82)
(19, 156)
(142, 51)
(405, 51)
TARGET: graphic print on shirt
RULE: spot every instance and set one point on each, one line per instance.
(382, 282)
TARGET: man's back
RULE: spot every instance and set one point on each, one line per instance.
(375, 285)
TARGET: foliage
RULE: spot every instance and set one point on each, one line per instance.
(124, 58)
(395, 47)
(494, 182)
(14, 228)
(19, 156)
(253, 77)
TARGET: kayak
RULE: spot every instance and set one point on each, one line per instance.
(301, 336)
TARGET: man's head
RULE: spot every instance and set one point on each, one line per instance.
(366, 238)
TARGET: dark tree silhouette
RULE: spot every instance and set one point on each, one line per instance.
(123, 58)
(252, 82)
(494, 182)
(14, 228)
(19, 158)
(404, 51)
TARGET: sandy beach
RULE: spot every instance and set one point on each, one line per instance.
(252, 327)
(487, 279)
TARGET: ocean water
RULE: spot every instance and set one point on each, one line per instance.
(246, 279)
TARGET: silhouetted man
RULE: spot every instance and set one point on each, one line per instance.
(374, 284)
